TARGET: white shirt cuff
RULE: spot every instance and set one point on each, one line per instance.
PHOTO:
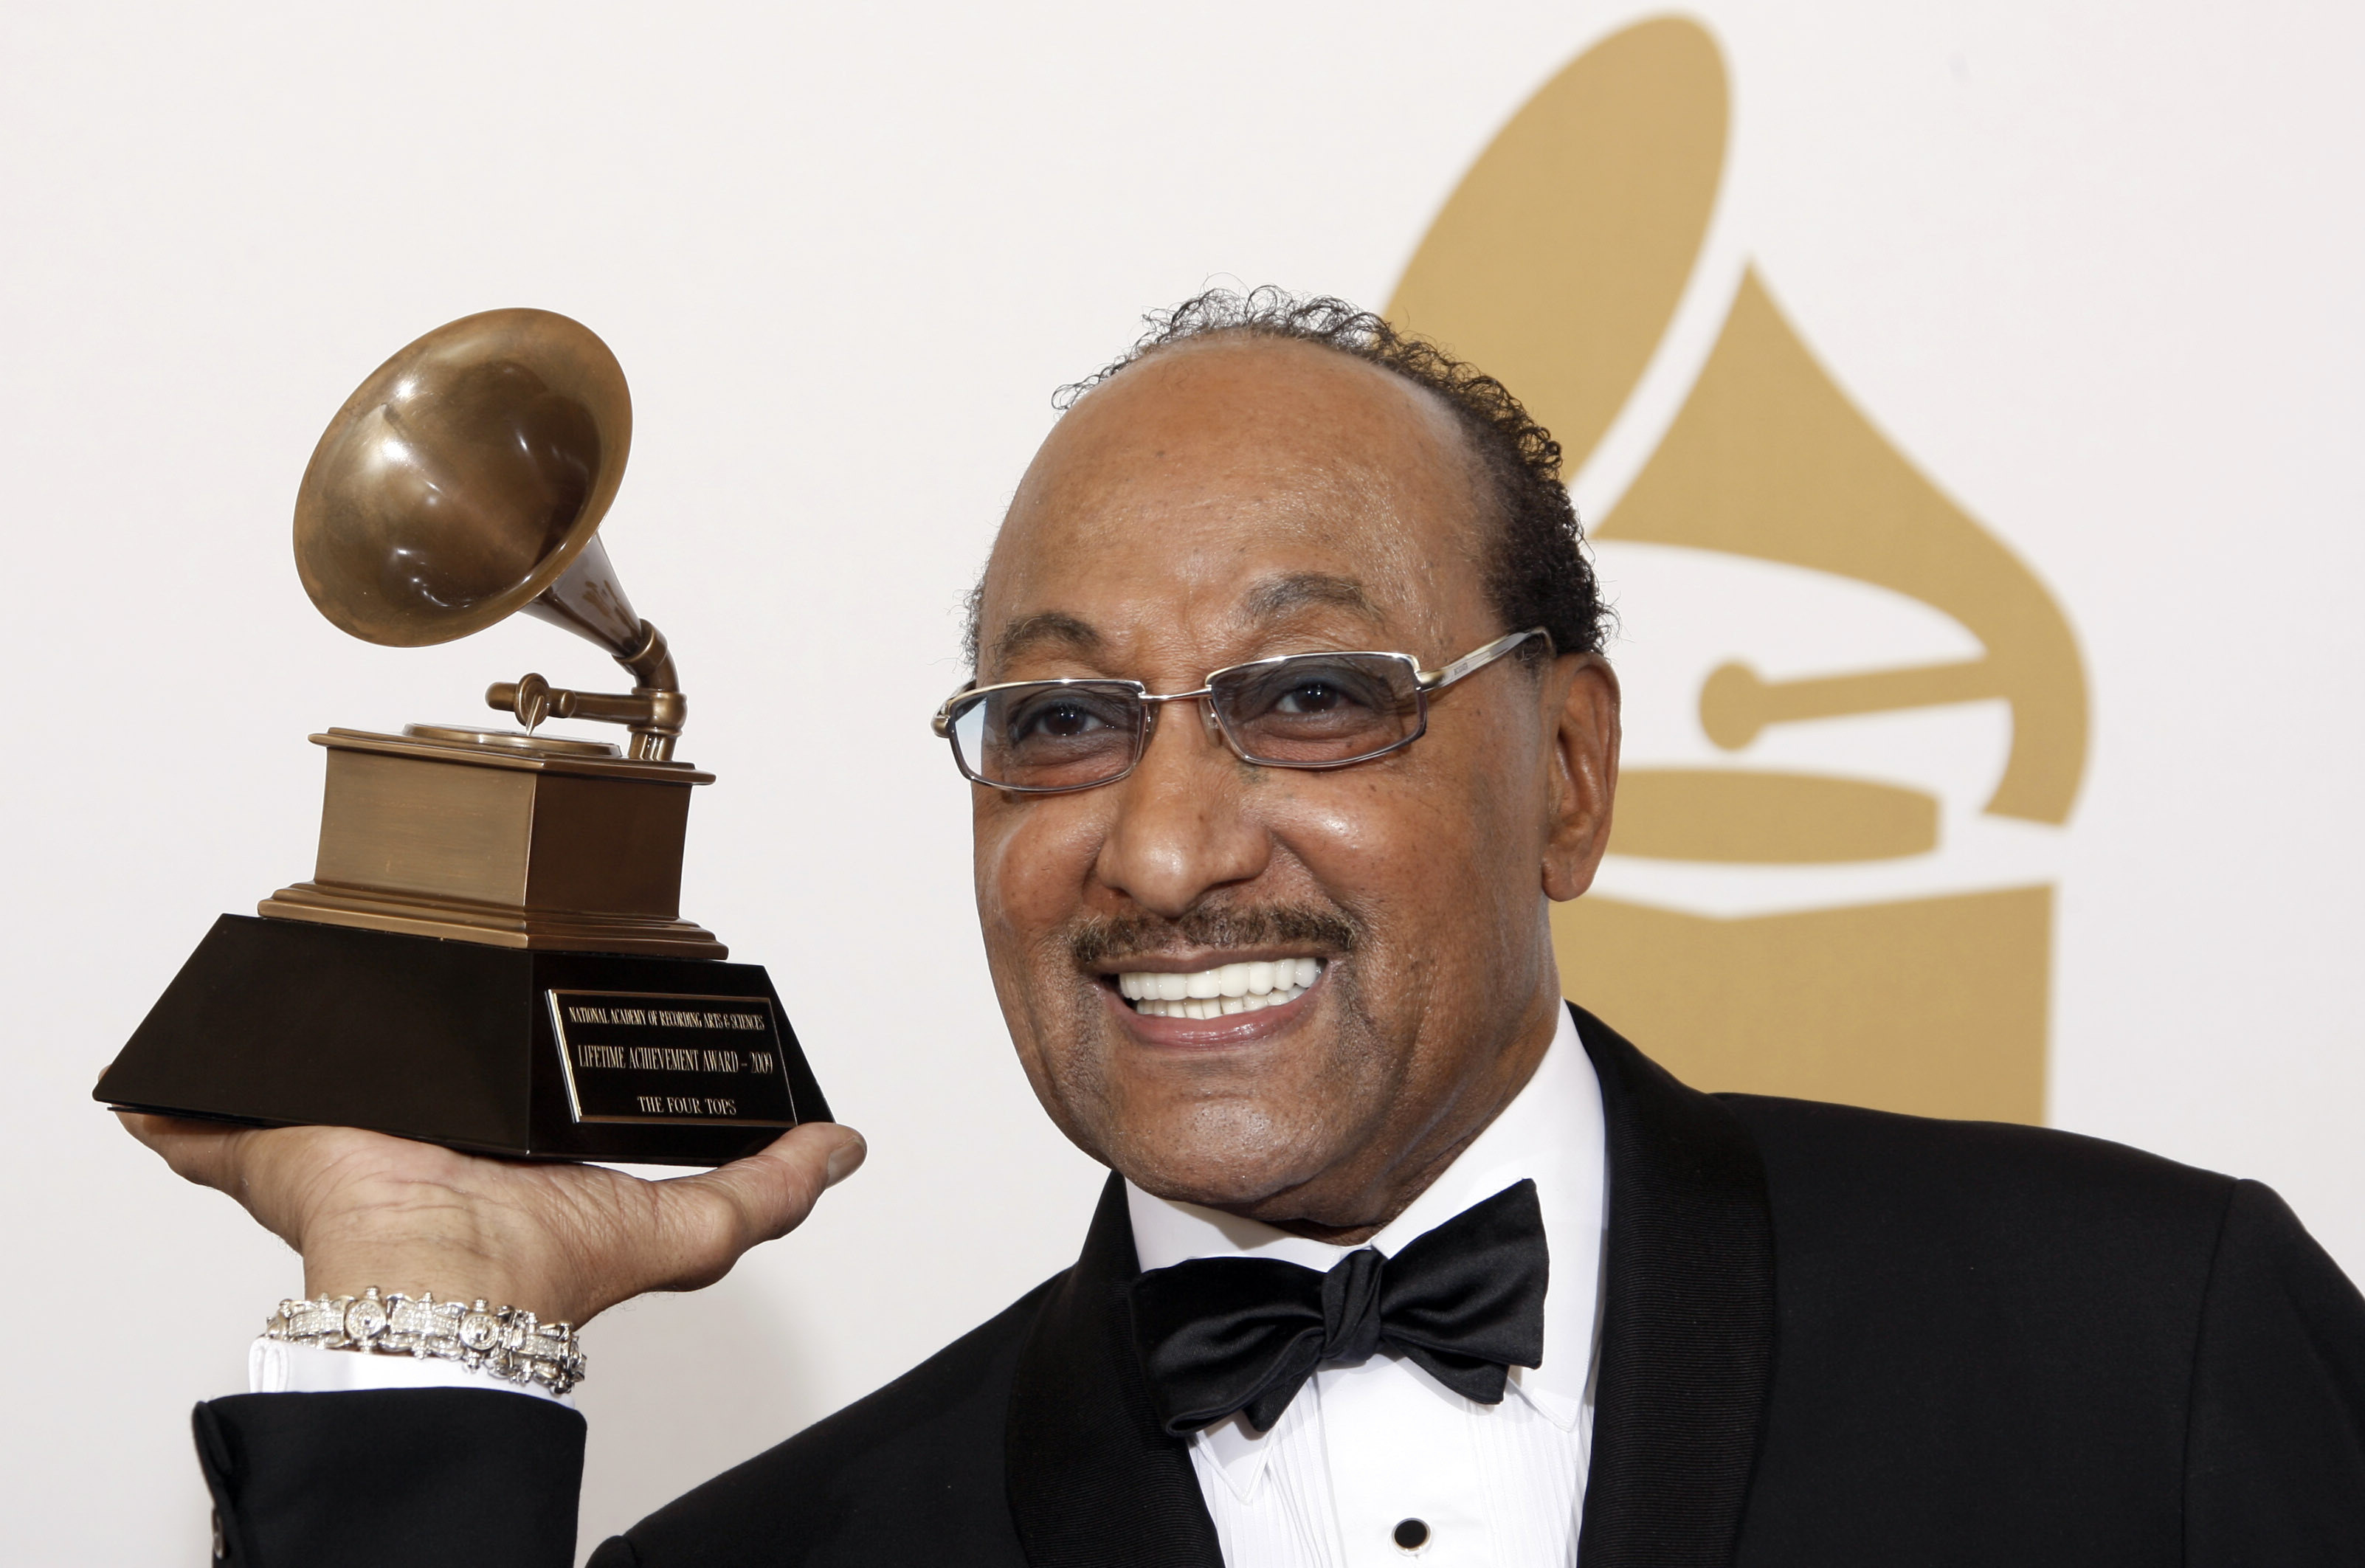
(275, 1366)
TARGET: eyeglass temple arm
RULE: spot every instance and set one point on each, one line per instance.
(1478, 659)
(940, 723)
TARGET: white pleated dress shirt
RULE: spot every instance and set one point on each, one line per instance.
(1363, 1449)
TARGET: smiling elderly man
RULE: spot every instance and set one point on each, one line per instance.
(1289, 723)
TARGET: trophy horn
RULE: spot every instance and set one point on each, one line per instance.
(465, 480)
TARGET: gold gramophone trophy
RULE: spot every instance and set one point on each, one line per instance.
(490, 952)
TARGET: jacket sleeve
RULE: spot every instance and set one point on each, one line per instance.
(395, 1477)
(2275, 1454)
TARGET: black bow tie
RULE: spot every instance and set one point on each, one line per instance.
(1465, 1302)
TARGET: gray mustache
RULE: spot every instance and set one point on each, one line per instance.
(1099, 942)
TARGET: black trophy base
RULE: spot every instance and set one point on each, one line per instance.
(496, 1050)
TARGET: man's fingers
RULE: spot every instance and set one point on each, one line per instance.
(713, 1218)
(846, 1158)
(769, 1193)
(200, 1151)
(578, 1239)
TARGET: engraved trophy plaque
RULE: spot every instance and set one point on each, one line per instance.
(489, 953)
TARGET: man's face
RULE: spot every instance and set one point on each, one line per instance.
(1236, 499)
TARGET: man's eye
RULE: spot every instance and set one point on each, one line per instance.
(1333, 694)
(1056, 719)
(1064, 721)
(1312, 697)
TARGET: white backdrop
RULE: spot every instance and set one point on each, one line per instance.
(2092, 264)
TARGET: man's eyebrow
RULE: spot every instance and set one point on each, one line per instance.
(1267, 600)
(1029, 631)
(1276, 597)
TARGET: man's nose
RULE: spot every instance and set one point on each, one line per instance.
(1183, 827)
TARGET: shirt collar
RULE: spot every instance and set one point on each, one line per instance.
(1551, 1132)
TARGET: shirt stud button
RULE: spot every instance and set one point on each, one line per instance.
(1410, 1535)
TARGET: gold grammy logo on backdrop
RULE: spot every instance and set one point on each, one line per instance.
(1558, 264)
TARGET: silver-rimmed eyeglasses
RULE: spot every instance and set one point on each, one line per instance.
(1041, 737)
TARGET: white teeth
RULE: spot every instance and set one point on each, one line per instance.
(1216, 1006)
(1219, 991)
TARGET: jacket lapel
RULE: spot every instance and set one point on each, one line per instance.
(1092, 1480)
(1688, 1320)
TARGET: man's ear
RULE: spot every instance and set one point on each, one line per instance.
(1580, 701)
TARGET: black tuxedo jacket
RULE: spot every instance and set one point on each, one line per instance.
(1829, 1338)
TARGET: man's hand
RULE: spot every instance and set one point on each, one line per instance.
(563, 1241)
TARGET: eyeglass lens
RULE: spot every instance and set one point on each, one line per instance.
(1317, 709)
(1309, 710)
(1049, 735)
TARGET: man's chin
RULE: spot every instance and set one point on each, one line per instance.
(1234, 1174)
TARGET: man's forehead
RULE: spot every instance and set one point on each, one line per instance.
(1203, 410)
(1253, 481)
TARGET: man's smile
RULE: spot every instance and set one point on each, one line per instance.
(1214, 992)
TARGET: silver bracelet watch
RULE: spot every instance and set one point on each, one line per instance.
(507, 1341)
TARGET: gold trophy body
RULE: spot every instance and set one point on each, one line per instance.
(490, 952)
